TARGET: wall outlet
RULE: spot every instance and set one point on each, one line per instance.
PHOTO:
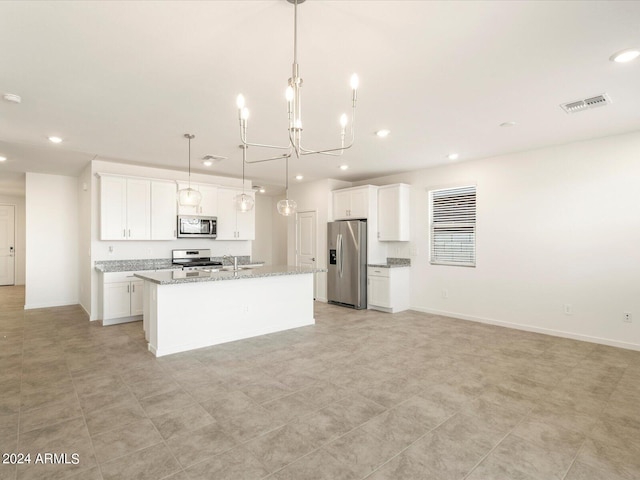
(568, 309)
(445, 293)
(627, 317)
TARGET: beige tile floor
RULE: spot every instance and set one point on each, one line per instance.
(359, 395)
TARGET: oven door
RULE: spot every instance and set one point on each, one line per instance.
(196, 226)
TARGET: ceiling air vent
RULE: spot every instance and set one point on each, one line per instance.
(591, 102)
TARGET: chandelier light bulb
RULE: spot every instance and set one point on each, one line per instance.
(343, 120)
(355, 81)
(244, 113)
(289, 93)
(299, 123)
(240, 102)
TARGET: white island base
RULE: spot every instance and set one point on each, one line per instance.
(185, 316)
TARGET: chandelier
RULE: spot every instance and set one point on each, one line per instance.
(294, 113)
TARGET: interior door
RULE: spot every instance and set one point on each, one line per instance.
(306, 242)
(7, 244)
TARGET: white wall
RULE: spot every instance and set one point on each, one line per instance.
(19, 203)
(262, 246)
(555, 226)
(51, 206)
(279, 227)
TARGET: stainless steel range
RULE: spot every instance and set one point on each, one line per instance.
(195, 259)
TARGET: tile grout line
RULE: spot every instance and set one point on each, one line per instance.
(575, 457)
(525, 416)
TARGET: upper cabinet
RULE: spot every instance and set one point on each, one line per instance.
(234, 225)
(163, 210)
(208, 205)
(393, 212)
(353, 203)
(125, 208)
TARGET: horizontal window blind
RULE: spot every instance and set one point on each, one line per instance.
(453, 226)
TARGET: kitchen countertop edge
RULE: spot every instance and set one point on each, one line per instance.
(167, 277)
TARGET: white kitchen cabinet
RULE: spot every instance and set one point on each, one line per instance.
(352, 203)
(361, 203)
(122, 298)
(388, 289)
(163, 210)
(393, 212)
(208, 204)
(125, 208)
(234, 225)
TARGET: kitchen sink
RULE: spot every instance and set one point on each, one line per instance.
(229, 268)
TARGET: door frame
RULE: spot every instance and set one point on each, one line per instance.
(315, 243)
(15, 237)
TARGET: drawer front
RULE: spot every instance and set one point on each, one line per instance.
(378, 271)
(115, 277)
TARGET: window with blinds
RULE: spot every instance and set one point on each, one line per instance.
(453, 226)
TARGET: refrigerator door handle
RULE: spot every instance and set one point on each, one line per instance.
(339, 248)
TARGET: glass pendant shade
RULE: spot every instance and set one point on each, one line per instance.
(244, 203)
(287, 207)
(189, 197)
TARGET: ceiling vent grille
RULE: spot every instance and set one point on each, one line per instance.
(591, 102)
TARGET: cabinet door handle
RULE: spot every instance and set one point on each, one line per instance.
(129, 233)
(128, 290)
(124, 233)
(133, 288)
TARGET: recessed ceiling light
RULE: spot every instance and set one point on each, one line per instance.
(383, 133)
(453, 156)
(3, 159)
(508, 124)
(624, 56)
(55, 139)
(12, 97)
(299, 177)
(262, 190)
(344, 167)
(259, 188)
(207, 163)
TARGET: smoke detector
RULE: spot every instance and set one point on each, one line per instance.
(591, 102)
(12, 97)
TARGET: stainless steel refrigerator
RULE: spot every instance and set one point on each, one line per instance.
(347, 275)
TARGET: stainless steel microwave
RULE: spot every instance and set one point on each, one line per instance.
(190, 226)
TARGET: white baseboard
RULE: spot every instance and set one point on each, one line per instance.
(531, 328)
(64, 303)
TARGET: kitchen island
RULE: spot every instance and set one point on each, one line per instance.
(185, 310)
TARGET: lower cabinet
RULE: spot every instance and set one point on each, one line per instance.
(388, 289)
(122, 296)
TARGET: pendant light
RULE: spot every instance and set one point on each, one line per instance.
(189, 197)
(244, 202)
(287, 207)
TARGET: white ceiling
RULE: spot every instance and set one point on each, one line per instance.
(126, 80)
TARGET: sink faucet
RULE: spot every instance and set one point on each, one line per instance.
(233, 260)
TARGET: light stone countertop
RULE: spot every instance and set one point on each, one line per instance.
(180, 276)
(392, 263)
